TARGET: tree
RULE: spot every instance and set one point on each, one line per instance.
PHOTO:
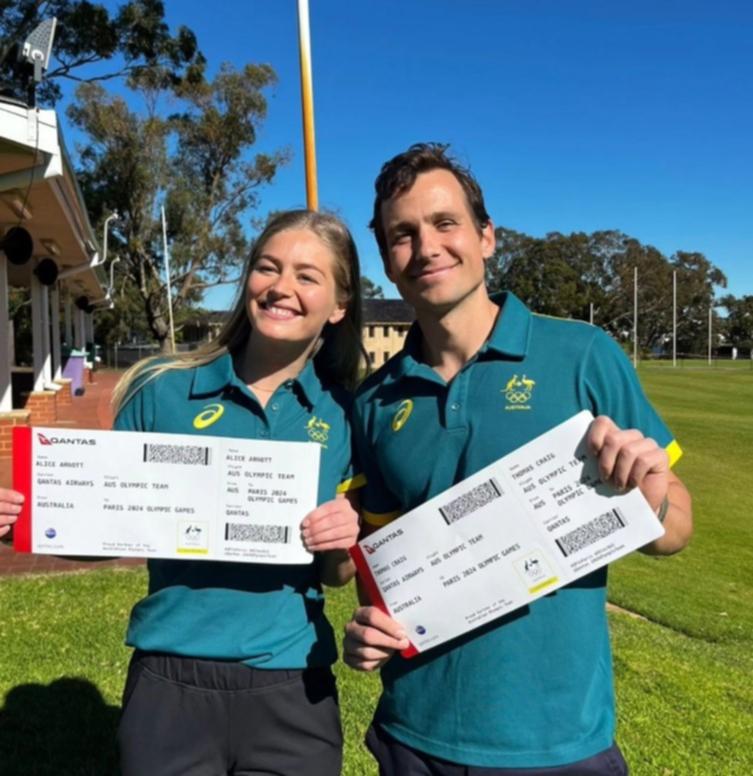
(696, 278)
(196, 161)
(370, 290)
(130, 41)
(739, 322)
(563, 275)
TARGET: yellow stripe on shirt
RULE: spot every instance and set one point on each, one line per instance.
(352, 484)
(378, 520)
(674, 451)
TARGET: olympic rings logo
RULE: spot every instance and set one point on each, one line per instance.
(518, 397)
(209, 415)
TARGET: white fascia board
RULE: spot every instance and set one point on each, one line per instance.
(30, 128)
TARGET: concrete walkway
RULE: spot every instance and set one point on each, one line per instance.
(92, 410)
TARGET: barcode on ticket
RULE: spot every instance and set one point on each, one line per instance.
(591, 532)
(193, 455)
(268, 534)
(469, 502)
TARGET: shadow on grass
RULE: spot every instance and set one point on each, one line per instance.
(64, 728)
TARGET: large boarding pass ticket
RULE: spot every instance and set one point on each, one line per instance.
(531, 522)
(149, 495)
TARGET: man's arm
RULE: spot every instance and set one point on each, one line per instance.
(627, 459)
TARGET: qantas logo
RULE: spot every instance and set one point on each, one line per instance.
(43, 440)
(374, 546)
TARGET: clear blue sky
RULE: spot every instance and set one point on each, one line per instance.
(577, 115)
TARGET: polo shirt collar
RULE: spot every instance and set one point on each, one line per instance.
(512, 331)
(509, 338)
(309, 383)
(214, 377)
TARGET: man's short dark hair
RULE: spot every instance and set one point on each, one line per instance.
(399, 174)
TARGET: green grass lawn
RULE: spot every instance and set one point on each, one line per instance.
(683, 674)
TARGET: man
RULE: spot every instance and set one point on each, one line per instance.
(478, 377)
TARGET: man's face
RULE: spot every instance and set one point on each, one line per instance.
(435, 251)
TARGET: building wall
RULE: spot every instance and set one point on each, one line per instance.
(382, 340)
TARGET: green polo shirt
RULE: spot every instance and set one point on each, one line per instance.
(267, 616)
(533, 689)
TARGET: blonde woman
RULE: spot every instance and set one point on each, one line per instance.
(231, 669)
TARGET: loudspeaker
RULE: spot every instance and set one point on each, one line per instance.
(47, 272)
(17, 245)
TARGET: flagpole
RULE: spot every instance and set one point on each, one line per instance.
(307, 99)
(167, 277)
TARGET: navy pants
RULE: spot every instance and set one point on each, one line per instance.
(396, 759)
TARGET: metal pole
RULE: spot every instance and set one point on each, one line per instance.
(635, 317)
(307, 99)
(674, 318)
(710, 309)
(167, 273)
(591, 313)
(55, 305)
(6, 333)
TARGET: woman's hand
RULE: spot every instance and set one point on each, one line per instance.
(331, 526)
(11, 502)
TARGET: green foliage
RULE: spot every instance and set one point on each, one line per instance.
(739, 322)
(563, 275)
(198, 162)
(370, 290)
(132, 40)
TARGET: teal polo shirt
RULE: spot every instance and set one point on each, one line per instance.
(267, 616)
(533, 689)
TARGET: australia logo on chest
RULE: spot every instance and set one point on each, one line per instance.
(518, 393)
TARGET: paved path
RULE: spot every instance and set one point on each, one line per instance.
(92, 410)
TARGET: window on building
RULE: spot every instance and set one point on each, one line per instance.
(372, 357)
(386, 356)
(371, 331)
(386, 331)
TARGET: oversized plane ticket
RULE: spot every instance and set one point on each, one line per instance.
(151, 495)
(525, 525)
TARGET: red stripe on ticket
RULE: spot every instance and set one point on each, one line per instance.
(22, 441)
(372, 589)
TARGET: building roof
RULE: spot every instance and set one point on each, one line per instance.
(387, 311)
(39, 191)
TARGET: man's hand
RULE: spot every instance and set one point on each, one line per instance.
(627, 459)
(331, 526)
(371, 639)
(10, 506)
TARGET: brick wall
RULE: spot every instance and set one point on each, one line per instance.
(8, 420)
(65, 397)
(43, 407)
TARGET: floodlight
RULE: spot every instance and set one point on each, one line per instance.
(37, 47)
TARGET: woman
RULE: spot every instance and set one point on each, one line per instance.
(231, 672)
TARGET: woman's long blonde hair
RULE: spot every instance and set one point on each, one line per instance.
(337, 359)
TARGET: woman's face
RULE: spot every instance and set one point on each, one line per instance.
(291, 292)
